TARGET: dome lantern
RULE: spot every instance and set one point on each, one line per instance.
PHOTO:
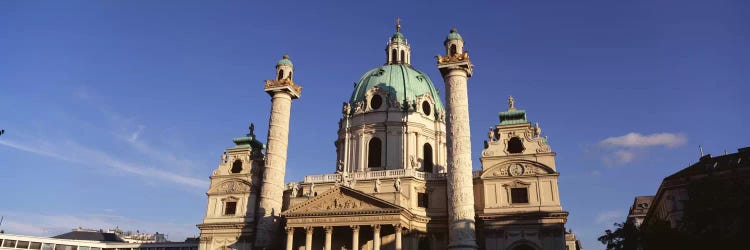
(284, 68)
(398, 51)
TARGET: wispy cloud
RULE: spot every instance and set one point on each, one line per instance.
(619, 150)
(53, 224)
(619, 157)
(638, 140)
(70, 150)
(607, 218)
(134, 136)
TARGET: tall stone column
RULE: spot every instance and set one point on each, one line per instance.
(329, 235)
(398, 229)
(456, 68)
(282, 91)
(308, 237)
(376, 237)
(289, 238)
(355, 237)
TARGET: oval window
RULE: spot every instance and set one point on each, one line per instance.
(426, 108)
(376, 101)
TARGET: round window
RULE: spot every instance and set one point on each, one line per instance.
(376, 101)
(426, 108)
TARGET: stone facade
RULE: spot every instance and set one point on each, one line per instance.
(403, 177)
(233, 196)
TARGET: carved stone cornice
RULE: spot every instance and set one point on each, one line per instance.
(284, 84)
(523, 215)
(454, 62)
(226, 225)
(455, 58)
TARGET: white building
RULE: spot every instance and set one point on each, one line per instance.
(403, 178)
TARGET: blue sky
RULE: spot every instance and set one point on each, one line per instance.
(116, 112)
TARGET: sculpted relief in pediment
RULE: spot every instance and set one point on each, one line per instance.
(337, 200)
(231, 187)
(516, 169)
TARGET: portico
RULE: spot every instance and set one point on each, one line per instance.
(353, 218)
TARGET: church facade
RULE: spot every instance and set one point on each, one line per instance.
(403, 178)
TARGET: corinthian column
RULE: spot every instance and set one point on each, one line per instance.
(456, 68)
(282, 91)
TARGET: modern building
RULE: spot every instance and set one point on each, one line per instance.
(80, 240)
(403, 177)
(639, 209)
(669, 202)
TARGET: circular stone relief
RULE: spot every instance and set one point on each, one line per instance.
(516, 170)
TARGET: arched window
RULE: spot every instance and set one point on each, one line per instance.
(393, 56)
(515, 145)
(427, 157)
(373, 153)
(236, 166)
(403, 56)
(281, 74)
(453, 49)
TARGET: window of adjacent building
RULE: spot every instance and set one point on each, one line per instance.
(376, 101)
(515, 145)
(236, 166)
(427, 157)
(48, 246)
(426, 108)
(65, 247)
(22, 244)
(422, 200)
(35, 245)
(519, 195)
(9, 243)
(230, 208)
(374, 148)
(84, 248)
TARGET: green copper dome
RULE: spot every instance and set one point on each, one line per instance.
(285, 61)
(453, 36)
(398, 37)
(400, 80)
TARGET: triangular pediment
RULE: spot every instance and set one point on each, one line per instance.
(342, 199)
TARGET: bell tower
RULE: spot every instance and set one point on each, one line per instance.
(230, 214)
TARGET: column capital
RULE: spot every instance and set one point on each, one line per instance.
(289, 229)
(328, 229)
(397, 227)
(376, 227)
(283, 86)
(309, 229)
(355, 227)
